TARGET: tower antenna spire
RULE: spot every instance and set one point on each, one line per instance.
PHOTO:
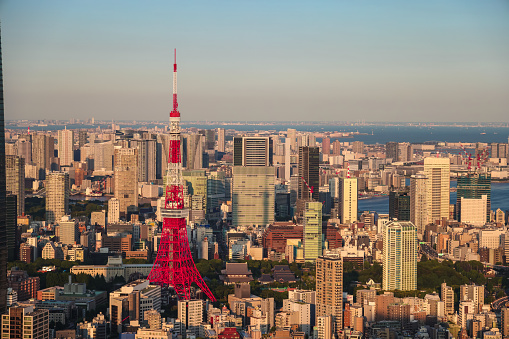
(174, 265)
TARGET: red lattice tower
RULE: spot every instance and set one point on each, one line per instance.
(174, 265)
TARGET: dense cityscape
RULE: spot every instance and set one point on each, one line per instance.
(273, 225)
(236, 218)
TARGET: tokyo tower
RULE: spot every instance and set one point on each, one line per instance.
(174, 265)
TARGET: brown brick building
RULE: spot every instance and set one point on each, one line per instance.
(276, 235)
(25, 286)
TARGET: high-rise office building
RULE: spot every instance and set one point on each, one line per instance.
(210, 138)
(312, 231)
(336, 147)
(309, 168)
(474, 186)
(358, 147)
(113, 210)
(329, 289)
(147, 162)
(11, 218)
(437, 171)
(15, 180)
(82, 138)
(348, 195)
(220, 140)
(418, 202)
(69, 232)
(399, 206)
(326, 145)
(57, 196)
(126, 178)
(24, 148)
(399, 256)
(253, 195)
(43, 152)
(291, 134)
(66, 147)
(252, 151)
(193, 149)
(391, 150)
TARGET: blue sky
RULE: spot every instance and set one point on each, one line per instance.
(257, 60)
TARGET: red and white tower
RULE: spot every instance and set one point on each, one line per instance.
(174, 265)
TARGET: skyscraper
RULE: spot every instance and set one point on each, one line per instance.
(437, 171)
(312, 231)
(253, 195)
(252, 151)
(11, 226)
(474, 186)
(418, 202)
(291, 134)
(3, 226)
(43, 147)
(65, 147)
(220, 140)
(391, 150)
(126, 178)
(309, 167)
(399, 256)
(326, 145)
(348, 194)
(399, 206)
(329, 289)
(15, 180)
(194, 145)
(57, 196)
(147, 162)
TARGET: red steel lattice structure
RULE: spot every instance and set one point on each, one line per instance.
(174, 265)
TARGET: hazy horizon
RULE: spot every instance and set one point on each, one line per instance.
(394, 61)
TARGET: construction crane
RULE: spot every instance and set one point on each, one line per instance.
(310, 189)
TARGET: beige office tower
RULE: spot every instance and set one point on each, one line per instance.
(15, 180)
(253, 195)
(113, 210)
(190, 313)
(292, 135)
(447, 296)
(418, 209)
(437, 171)
(399, 256)
(474, 293)
(69, 232)
(220, 140)
(329, 289)
(348, 200)
(126, 178)
(57, 196)
(65, 147)
(312, 231)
